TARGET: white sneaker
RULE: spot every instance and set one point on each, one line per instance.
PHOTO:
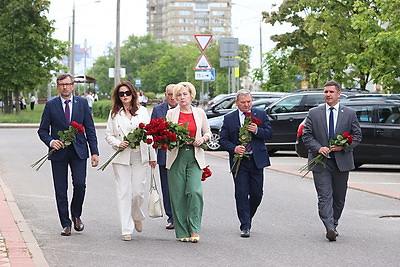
(138, 226)
(127, 237)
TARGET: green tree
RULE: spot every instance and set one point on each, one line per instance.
(281, 72)
(351, 41)
(28, 53)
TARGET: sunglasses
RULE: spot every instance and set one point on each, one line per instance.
(127, 93)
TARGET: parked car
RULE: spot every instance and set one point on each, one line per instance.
(216, 99)
(380, 126)
(227, 103)
(216, 122)
(286, 114)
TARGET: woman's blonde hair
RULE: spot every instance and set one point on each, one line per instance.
(178, 87)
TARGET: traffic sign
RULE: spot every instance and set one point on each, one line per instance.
(203, 40)
(205, 75)
(138, 82)
(229, 47)
(228, 62)
(202, 63)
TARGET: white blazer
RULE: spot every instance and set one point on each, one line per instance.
(202, 130)
(120, 126)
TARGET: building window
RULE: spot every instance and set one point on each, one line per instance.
(218, 13)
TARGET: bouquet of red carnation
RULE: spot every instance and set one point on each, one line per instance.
(134, 138)
(206, 173)
(341, 140)
(167, 135)
(244, 138)
(66, 137)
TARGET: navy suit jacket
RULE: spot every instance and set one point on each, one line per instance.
(53, 120)
(160, 111)
(229, 136)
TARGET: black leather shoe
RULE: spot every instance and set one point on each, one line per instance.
(66, 231)
(78, 224)
(170, 226)
(331, 235)
(336, 232)
(245, 233)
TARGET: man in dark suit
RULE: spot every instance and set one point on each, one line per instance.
(323, 123)
(250, 176)
(160, 111)
(57, 116)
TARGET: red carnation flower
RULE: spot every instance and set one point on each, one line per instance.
(141, 125)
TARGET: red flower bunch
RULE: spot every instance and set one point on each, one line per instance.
(244, 138)
(66, 137)
(167, 135)
(206, 173)
(341, 140)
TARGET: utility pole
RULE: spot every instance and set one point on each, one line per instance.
(72, 67)
(117, 68)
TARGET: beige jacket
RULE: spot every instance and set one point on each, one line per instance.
(120, 126)
(203, 130)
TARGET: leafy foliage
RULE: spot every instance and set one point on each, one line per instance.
(27, 50)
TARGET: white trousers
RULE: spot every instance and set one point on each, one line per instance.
(130, 184)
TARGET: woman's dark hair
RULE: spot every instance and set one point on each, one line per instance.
(117, 103)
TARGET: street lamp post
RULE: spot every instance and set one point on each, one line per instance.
(72, 67)
(117, 68)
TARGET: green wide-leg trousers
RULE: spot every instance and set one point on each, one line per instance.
(184, 181)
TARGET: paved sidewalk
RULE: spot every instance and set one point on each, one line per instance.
(18, 246)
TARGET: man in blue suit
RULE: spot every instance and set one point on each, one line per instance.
(160, 111)
(57, 116)
(250, 176)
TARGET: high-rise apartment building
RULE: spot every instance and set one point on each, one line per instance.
(176, 21)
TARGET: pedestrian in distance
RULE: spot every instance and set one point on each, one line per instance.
(33, 101)
(185, 165)
(160, 111)
(131, 165)
(248, 173)
(324, 123)
(57, 116)
(142, 98)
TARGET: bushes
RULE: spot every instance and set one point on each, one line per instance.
(101, 109)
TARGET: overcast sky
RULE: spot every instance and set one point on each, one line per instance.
(95, 22)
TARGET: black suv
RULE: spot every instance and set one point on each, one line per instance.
(380, 126)
(227, 103)
(286, 114)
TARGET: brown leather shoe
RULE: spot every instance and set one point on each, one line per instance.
(66, 231)
(78, 224)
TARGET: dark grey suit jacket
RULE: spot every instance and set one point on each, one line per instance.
(315, 135)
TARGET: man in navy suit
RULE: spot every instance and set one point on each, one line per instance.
(250, 176)
(330, 179)
(160, 111)
(57, 116)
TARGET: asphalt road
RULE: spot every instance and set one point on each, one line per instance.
(286, 230)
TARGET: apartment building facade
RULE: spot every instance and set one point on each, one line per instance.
(176, 21)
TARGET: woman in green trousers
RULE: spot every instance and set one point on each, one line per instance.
(185, 165)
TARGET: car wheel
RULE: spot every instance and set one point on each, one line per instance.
(213, 144)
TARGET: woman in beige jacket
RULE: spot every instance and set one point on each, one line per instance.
(185, 165)
(130, 166)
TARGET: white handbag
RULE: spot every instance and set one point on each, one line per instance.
(155, 201)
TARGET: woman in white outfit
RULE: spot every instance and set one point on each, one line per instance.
(130, 166)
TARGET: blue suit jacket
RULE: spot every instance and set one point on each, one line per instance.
(229, 136)
(53, 120)
(160, 111)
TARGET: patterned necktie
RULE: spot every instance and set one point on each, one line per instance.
(331, 133)
(67, 113)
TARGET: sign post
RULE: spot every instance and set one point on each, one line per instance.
(229, 50)
(205, 70)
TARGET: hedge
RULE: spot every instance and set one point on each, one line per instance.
(101, 109)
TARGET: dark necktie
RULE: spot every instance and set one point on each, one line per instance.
(331, 129)
(67, 112)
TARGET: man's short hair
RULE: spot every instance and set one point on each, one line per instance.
(333, 83)
(242, 92)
